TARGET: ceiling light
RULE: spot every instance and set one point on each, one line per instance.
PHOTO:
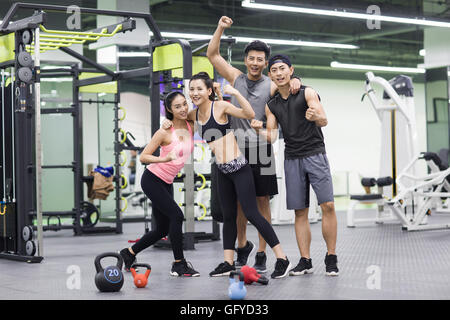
(133, 54)
(185, 35)
(335, 64)
(51, 67)
(270, 41)
(345, 14)
(300, 43)
(56, 80)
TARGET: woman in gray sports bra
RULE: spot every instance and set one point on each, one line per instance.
(235, 181)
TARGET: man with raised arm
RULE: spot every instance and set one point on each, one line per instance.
(257, 89)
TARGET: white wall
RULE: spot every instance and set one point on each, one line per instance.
(352, 136)
(436, 42)
(90, 132)
(137, 119)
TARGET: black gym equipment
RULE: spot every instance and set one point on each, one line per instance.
(109, 279)
(25, 59)
(89, 215)
(27, 233)
(27, 37)
(20, 169)
(25, 74)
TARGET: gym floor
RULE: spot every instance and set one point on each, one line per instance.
(377, 262)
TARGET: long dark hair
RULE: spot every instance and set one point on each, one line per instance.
(168, 103)
(208, 82)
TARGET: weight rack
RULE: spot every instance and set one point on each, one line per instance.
(21, 166)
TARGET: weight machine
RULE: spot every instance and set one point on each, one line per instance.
(22, 43)
(398, 147)
(420, 194)
(437, 163)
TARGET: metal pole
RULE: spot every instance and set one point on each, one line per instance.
(77, 149)
(117, 167)
(3, 135)
(38, 155)
(189, 193)
(13, 135)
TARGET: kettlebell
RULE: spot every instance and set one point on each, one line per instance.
(236, 290)
(109, 279)
(140, 280)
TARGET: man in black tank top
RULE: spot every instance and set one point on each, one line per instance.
(301, 117)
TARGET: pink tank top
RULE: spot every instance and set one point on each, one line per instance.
(167, 171)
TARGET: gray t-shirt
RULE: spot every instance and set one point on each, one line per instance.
(258, 94)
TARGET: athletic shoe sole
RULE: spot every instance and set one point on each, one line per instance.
(260, 270)
(221, 274)
(285, 274)
(332, 273)
(299, 273)
(176, 274)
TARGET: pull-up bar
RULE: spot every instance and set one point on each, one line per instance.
(55, 39)
(42, 7)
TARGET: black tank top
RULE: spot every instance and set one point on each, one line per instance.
(211, 130)
(302, 138)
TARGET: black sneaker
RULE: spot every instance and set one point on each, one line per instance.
(331, 265)
(260, 262)
(183, 269)
(128, 258)
(222, 269)
(243, 254)
(281, 268)
(304, 266)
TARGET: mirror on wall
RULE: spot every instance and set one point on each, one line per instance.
(437, 88)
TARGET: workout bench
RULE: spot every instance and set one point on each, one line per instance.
(370, 198)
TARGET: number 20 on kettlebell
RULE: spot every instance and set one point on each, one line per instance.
(140, 280)
(109, 279)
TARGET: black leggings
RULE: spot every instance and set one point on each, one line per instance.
(235, 186)
(167, 214)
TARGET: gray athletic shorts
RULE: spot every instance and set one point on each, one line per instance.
(303, 172)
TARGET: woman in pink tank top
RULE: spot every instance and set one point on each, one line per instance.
(176, 144)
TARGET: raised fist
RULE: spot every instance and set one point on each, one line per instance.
(225, 22)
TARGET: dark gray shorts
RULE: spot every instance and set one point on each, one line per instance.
(300, 174)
